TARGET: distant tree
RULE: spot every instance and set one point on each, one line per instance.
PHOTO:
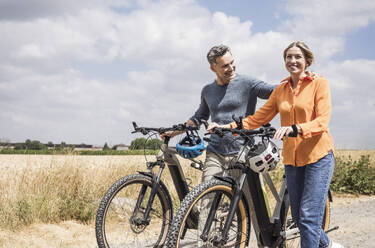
(27, 143)
(61, 146)
(34, 145)
(154, 144)
(140, 143)
(106, 147)
(19, 146)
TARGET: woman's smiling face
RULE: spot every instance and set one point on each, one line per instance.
(295, 62)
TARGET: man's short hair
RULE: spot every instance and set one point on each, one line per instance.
(217, 52)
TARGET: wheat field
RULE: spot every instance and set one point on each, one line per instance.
(58, 189)
(52, 188)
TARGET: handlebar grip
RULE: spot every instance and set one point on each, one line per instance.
(238, 121)
(220, 133)
(292, 134)
(135, 125)
(205, 123)
(295, 131)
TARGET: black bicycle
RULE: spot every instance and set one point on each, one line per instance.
(225, 213)
(137, 211)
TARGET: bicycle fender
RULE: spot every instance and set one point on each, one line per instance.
(227, 179)
(147, 174)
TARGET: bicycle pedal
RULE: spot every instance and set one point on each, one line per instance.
(332, 229)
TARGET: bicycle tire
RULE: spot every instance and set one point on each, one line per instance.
(240, 228)
(122, 229)
(294, 240)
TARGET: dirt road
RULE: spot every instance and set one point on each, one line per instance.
(354, 215)
(356, 220)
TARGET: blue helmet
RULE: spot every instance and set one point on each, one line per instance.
(191, 146)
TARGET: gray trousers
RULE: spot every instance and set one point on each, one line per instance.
(214, 166)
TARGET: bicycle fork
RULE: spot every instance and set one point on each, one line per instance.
(223, 239)
(155, 186)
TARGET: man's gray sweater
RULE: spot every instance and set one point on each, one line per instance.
(238, 98)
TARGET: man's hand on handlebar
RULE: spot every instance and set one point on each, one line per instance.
(211, 127)
(172, 134)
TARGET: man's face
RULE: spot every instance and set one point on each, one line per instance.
(224, 68)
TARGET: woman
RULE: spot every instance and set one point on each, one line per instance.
(304, 103)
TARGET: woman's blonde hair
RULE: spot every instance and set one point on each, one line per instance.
(309, 56)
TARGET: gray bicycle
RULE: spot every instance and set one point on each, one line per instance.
(137, 211)
(224, 211)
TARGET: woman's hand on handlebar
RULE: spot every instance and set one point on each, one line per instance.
(211, 127)
(283, 131)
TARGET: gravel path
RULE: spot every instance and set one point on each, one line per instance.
(356, 220)
(354, 215)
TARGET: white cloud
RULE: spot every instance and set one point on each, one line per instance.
(353, 104)
(54, 82)
(33, 9)
(329, 18)
(324, 24)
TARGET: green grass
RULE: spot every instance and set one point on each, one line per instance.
(354, 176)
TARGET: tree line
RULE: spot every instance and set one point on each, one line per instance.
(136, 144)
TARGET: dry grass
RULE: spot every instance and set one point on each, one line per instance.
(354, 154)
(55, 188)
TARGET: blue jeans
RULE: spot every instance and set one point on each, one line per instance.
(308, 188)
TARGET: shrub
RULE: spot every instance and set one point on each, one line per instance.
(356, 177)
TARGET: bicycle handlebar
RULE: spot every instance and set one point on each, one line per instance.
(266, 131)
(146, 130)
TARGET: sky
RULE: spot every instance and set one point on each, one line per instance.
(82, 71)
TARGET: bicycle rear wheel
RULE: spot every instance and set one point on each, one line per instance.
(119, 223)
(294, 241)
(196, 206)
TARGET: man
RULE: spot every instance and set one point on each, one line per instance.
(230, 94)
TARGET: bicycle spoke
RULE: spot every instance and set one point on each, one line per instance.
(124, 225)
(238, 229)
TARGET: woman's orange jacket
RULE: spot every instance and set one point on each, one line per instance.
(309, 106)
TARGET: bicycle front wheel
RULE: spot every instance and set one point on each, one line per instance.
(188, 223)
(294, 240)
(120, 218)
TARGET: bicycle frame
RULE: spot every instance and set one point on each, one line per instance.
(167, 156)
(268, 229)
(271, 229)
